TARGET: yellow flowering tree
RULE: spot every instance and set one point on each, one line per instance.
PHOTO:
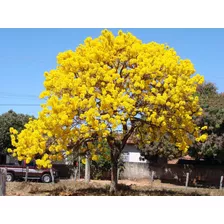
(109, 85)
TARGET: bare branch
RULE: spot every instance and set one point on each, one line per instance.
(126, 137)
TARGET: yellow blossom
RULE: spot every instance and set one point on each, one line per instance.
(107, 84)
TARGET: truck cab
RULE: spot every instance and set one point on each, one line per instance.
(18, 170)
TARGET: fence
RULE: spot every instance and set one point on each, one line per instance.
(2, 182)
(205, 175)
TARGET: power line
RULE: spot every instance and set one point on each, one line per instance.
(17, 95)
(17, 104)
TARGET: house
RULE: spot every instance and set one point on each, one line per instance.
(136, 167)
(132, 154)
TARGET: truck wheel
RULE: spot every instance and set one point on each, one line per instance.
(9, 177)
(46, 178)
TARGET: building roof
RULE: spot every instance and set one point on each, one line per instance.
(175, 161)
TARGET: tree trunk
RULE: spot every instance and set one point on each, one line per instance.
(87, 169)
(75, 172)
(114, 171)
(116, 147)
(114, 182)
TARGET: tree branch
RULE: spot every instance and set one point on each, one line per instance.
(126, 137)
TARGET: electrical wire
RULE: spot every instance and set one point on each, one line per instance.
(17, 104)
(19, 97)
(5, 94)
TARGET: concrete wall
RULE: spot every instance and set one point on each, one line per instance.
(136, 171)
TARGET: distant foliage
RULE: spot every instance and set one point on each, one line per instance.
(212, 103)
(162, 149)
(7, 120)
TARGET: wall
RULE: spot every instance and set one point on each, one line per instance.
(175, 173)
(136, 171)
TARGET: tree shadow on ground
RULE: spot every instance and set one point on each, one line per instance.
(123, 190)
(199, 184)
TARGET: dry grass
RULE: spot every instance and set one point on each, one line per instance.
(101, 188)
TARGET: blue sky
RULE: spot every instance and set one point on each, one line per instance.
(25, 54)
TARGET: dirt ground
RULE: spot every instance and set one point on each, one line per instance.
(101, 188)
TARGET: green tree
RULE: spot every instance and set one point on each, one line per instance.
(212, 103)
(163, 149)
(101, 166)
(7, 120)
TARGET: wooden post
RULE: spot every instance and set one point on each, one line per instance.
(87, 169)
(152, 177)
(74, 171)
(187, 180)
(52, 175)
(221, 180)
(79, 168)
(27, 171)
(118, 173)
(3, 174)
